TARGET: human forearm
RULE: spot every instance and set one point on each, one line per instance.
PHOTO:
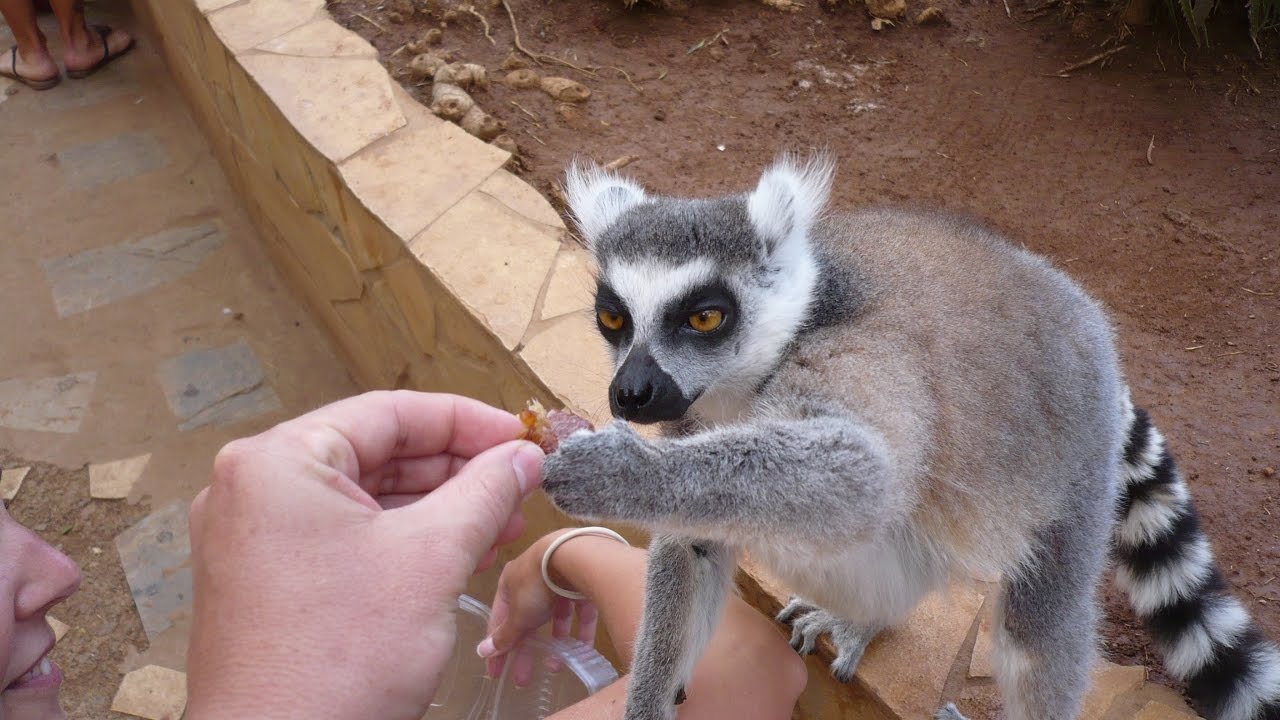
(609, 573)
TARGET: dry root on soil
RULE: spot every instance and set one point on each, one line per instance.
(547, 429)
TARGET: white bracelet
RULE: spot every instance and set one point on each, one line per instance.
(546, 557)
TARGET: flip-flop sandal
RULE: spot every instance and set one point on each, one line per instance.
(104, 32)
(12, 74)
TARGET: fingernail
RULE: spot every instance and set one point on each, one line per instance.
(527, 463)
(486, 648)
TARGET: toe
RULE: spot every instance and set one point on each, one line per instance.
(118, 41)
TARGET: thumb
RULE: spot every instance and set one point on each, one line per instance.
(476, 504)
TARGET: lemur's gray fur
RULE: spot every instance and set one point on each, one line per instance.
(888, 400)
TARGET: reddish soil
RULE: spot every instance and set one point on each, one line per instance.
(1154, 177)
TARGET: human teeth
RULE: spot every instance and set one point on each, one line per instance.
(42, 668)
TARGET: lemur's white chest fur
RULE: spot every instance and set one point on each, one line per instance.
(876, 583)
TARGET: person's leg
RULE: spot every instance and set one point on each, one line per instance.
(81, 44)
(33, 61)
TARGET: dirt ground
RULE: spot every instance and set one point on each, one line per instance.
(1153, 177)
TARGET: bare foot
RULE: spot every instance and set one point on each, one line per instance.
(37, 67)
(84, 55)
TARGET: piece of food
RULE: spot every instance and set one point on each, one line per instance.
(468, 76)
(450, 101)
(564, 89)
(523, 79)
(481, 124)
(425, 65)
(547, 429)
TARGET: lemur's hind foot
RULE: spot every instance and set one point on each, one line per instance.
(808, 622)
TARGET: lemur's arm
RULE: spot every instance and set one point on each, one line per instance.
(685, 593)
(827, 478)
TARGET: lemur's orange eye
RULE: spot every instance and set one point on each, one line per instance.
(611, 320)
(706, 320)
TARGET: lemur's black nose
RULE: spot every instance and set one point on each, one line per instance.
(643, 392)
(633, 398)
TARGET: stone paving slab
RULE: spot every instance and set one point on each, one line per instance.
(320, 38)
(59, 628)
(114, 480)
(152, 692)
(89, 165)
(96, 277)
(907, 666)
(49, 404)
(1159, 711)
(217, 386)
(11, 482)
(980, 663)
(253, 22)
(154, 553)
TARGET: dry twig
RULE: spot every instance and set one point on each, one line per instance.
(1256, 292)
(626, 76)
(524, 110)
(371, 21)
(1066, 71)
(621, 162)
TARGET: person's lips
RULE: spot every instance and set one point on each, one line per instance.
(43, 674)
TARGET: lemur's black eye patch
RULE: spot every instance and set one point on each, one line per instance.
(612, 317)
(714, 298)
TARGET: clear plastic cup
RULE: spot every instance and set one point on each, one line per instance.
(554, 673)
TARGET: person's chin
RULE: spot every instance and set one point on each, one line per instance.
(34, 700)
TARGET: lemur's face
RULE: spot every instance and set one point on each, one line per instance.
(675, 300)
(696, 298)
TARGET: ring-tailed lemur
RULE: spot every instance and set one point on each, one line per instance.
(869, 403)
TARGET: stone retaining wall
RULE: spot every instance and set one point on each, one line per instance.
(436, 269)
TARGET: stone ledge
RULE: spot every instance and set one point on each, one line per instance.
(433, 268)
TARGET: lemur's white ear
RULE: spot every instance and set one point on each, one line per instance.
(790, 198)
(597, 197)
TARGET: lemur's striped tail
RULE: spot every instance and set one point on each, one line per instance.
(1165, 564)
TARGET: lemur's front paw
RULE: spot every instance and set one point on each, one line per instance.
(600, 475)
(808, 622)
